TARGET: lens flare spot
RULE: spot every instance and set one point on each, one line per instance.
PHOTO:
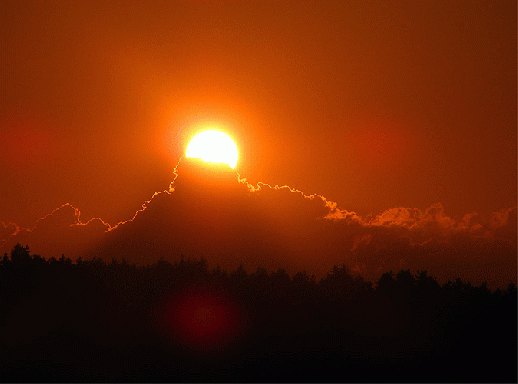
(202, 320)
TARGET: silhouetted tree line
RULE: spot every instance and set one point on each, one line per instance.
(92, 320)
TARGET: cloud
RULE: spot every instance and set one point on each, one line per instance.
(7, 230)
(60, 232)
(210, 211)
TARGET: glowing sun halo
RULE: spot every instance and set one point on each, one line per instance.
(214, 147)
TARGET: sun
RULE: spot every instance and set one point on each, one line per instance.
(213, 146)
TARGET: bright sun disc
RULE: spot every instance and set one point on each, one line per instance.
(214, 147)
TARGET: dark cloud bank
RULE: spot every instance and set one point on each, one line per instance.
(210, 212)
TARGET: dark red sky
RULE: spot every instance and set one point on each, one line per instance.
(374, 105)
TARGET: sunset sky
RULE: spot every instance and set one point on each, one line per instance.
(372, 105)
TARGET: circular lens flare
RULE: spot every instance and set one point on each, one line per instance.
(201, 320)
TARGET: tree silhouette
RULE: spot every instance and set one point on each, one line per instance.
(80, 317)
(20, 256)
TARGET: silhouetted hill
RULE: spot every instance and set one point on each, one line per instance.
(94, 321)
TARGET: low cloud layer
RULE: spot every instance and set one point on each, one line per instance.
(210, 212)
(60, 232)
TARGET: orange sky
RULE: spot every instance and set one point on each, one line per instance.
(372, 105)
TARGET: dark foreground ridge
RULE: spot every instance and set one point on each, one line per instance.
(92, 321)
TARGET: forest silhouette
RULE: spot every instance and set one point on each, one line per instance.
(92, 320)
